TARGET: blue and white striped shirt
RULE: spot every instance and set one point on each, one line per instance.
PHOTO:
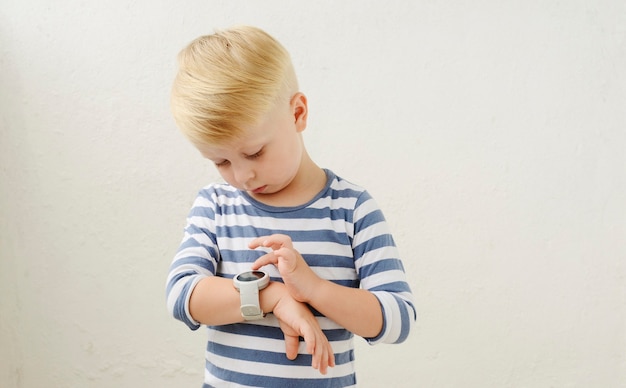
(342, 235)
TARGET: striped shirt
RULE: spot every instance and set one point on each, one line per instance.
(341, 234)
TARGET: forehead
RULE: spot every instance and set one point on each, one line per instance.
(248, 142)
(251, 137)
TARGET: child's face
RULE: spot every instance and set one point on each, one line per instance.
(268, 157)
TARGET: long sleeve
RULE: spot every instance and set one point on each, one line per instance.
(381, 271)
(195, 259)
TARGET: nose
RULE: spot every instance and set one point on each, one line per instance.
(243, 174)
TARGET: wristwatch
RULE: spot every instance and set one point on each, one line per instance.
(249, 284)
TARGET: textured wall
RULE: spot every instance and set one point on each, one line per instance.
(492, 134)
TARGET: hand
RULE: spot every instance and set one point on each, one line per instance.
(296, 321)
(299, 278)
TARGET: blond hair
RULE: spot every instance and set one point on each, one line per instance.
(228, 80)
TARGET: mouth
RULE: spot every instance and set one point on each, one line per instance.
(259, 190)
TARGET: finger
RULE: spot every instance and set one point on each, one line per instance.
(314, 347)
(277, 241)
(257, 242)
(331, 356)
(266, 259)
(321, 355)
(285, 254)
(291, 346)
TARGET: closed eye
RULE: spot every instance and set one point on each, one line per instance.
(255, 155)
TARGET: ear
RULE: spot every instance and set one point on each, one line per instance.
(300, 110)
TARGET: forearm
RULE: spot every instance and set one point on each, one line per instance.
(214, 301)
(357, 310)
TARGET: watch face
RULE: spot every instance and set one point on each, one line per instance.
(250, 276)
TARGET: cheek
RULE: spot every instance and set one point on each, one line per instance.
(288, 160)
(283, 160)
(227, 175)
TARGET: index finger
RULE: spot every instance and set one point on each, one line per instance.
(264, 260)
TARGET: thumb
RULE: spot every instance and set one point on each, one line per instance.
(291, 346)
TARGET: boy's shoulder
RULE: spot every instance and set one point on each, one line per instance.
(347, 187)
(219, 187)
(220, 192)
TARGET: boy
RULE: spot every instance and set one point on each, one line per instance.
(284, 249)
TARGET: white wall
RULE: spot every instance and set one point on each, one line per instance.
(492, 133)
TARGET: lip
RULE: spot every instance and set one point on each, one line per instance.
(259, 190)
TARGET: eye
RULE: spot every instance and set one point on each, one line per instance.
(223, 163)
(255, 155)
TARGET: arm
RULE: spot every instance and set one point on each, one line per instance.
(382, 310)
(381, 271)
(196, 296)
(296, 320)
(207, 309)
(355, 309)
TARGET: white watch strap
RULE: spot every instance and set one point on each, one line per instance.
(250, 308)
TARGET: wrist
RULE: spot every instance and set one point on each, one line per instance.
(311, 292)
(270, 295)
